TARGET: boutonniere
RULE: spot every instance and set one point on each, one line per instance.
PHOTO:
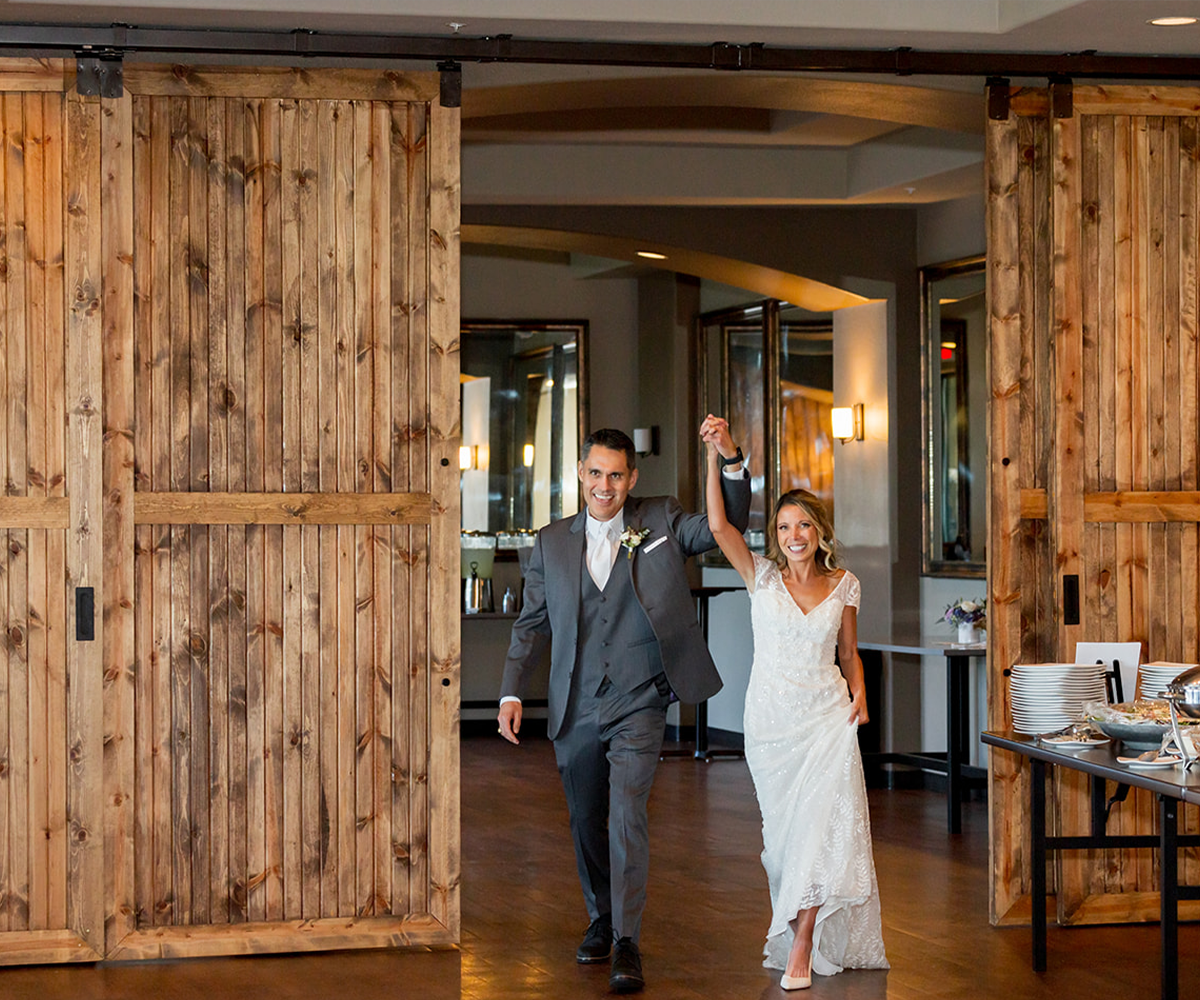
(631, 538)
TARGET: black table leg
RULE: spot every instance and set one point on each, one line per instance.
(1168, 859)
(1037, 832)
(701, 750)
(1098, 787)
(957, 706)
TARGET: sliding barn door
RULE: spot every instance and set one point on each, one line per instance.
(51, 864)
(1093, 226)
(229, 374)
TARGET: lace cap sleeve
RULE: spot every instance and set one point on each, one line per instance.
(853, 590)
(762, 566)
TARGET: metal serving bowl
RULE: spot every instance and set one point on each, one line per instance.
(1184, 693)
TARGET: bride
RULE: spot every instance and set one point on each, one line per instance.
(801, 726)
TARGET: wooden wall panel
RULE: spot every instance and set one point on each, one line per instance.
(228, 404)
(299, 333)
(1121, 427)
(51, 823)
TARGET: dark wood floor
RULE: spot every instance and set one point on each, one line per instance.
(522, 913)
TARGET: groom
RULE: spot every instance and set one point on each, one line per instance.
(608, 588)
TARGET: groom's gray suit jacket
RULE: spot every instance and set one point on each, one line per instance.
(659, 586)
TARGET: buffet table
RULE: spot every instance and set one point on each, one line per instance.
(1171, 785)
(958, 662)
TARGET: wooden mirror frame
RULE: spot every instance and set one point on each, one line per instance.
(577, 331)
(933, 562)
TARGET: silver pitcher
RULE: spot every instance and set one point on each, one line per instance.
(477, 592)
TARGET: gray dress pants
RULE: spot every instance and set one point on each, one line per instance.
(607, 752)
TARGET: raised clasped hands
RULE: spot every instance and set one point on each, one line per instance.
(714, 432)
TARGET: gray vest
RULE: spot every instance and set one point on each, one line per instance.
(615, 637)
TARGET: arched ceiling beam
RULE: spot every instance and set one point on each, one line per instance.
(952, 110)
(815, 296)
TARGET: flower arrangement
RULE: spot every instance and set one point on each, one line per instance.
(631, 538)
(965, 612)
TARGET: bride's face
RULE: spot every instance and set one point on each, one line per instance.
(798, 538)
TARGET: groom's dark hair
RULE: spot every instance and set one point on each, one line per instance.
(614, 440)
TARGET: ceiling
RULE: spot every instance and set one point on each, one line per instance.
(593, 135)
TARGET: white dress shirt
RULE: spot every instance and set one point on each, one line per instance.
(603, 540)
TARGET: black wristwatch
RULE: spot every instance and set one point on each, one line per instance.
(736, 460)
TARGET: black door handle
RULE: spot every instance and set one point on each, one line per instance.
(1071, 599)
(85, 614)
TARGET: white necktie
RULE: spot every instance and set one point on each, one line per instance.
(600, 556)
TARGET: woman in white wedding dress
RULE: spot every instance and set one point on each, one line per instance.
(801, 728)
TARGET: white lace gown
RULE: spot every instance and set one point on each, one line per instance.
(804, 758)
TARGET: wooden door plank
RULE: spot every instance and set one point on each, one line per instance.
(1140, 378)
(1157, 341)
(273, 480)
(143, 471)
(118, 567)
(1004, 289)
(21, 315)
(36, 198)
(275, 82)
(8, 175)
(56, 472)
(216, 589)
(420, 262)
(363, 454)
(236, 406)
(328, 284)
(381, 482)
(1167, 402)
(262, 508)
(399, 436)
(277, 937)
(31, 73)
(444, 435)
(85, 786)
(158, 464)
(255, 299)
(1188, 427)
(196, 643)
(182, 815)
(347, 820)
(1067, 509)
(289, 384)
(311, 843)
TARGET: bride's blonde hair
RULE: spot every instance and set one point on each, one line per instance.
(814, 510)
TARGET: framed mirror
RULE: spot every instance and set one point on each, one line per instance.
(524, 403)
(954, 417)
(769, 368)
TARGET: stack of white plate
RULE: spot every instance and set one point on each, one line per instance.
(1153, 678)
(1046, 697)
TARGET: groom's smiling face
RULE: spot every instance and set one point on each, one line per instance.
(607, 480)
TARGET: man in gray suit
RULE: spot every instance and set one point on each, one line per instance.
(607, 587)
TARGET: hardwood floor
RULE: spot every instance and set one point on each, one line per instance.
(523, 916)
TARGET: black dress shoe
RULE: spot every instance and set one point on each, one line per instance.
(626, 976)
(597, 942)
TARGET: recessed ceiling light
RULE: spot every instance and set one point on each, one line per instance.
(1171, 22)
(651, 255)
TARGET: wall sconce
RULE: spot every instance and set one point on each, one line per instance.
(472, 456)
(527, 456)
(645, 440)
(848, 423)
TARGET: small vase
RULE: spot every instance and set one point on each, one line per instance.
(968, 634)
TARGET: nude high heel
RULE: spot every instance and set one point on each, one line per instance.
(787, 982)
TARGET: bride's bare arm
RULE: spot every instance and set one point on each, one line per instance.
(852, 667)
(728, 538)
